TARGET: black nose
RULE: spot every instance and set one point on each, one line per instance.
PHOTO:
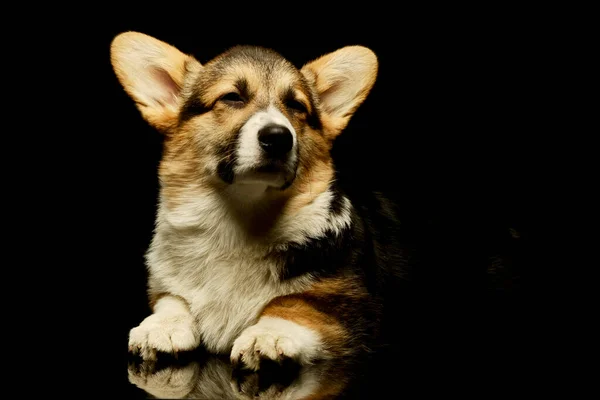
(275, 140)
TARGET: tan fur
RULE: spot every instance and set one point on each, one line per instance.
(326, 73)
(209, 239)
(186, 151)
(307, 188)
(338, 285)
(297, 308)
(137, 59)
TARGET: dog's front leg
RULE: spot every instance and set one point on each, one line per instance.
(324, 323)
(170, 329)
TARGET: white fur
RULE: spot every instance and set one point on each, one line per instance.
(314, 220)
(170, 328)
(200, 253)
(224, 281)
(275, 338)
(207, 212)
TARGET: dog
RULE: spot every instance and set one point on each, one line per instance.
(257, 252)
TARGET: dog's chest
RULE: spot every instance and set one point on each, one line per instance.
(226, 292)
(201, 254)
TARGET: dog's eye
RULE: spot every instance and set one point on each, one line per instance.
(297, 106)
(233, 99)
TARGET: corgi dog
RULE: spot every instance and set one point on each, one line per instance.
(258, 253)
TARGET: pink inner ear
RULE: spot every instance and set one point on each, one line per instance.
(169, 89)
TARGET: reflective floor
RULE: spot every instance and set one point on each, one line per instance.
(200, 376)
(468, 358)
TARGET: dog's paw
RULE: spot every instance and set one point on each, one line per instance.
(275, 339)
(169, 334)
(254, 344)
(167, 383)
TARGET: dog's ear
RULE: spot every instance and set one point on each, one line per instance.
(342, 79)
(152, 73)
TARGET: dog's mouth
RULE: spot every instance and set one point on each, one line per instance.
(275, 173)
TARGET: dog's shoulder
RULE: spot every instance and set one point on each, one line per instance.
(367, 243)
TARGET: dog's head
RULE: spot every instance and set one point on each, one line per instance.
(247, 117)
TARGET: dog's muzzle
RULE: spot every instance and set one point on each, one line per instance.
(266, 151)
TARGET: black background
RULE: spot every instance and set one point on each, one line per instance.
(450, 130)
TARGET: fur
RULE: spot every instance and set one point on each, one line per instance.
(254, 258)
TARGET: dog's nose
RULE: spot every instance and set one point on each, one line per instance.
(275, 140)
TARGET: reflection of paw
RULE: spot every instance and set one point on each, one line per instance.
(275, 339)
(270, 382)
(169, 334)
(251, 386)
(246, 385)
(168, 383)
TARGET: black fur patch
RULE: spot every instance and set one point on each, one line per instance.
(242, 86)
(228, 157)
(314, 121)
(322, 256)
(337, 201)
(225, 170)
(312, 117)
(370, 252)
(328, 254)
(192, 108)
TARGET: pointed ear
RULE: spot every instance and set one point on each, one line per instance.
(343, 79)
(152, 73)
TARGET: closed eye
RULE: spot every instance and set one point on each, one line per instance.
(296, 105)
(233, 98)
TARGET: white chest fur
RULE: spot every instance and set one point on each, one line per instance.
(225, 280)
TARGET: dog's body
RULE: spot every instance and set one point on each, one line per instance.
(257, 252)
